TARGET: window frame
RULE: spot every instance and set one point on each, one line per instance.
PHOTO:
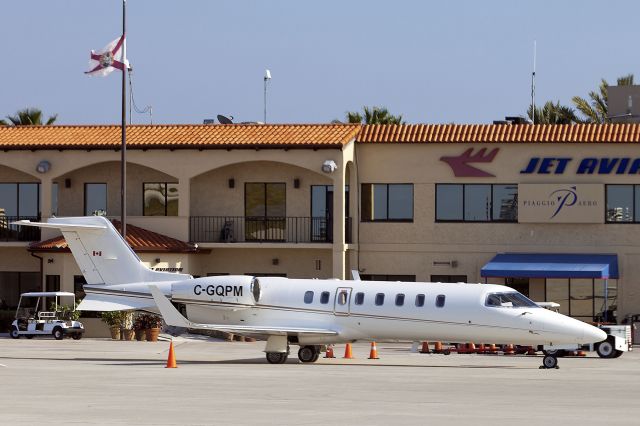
(166, 201)
(325, 297)
(387, 220)
(634, 219)
(17, 200)
(441, 300)
(106, 198)
(310, 299)
(400, 297)
(359, 297)
(464, 186)
(379, 298)
(422, 298)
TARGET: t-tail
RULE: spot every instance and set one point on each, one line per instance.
(104, 257)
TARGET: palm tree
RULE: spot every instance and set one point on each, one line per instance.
(552, 113)
(597, 111)
(374, 115)
(29, 117)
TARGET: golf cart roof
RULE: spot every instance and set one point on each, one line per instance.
(47, 294)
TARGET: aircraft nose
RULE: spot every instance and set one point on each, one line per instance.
(593, 334)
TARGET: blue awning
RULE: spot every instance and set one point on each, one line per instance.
(551, 265)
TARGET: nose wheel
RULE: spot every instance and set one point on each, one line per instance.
(549, 361)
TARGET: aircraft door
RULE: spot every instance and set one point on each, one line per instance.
(342, 303)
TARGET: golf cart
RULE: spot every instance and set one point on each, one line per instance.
(32, 318)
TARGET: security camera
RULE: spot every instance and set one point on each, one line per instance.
(329, 166)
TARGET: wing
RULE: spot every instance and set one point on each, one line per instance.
(173, 317)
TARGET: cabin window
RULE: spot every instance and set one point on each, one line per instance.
(308, 297)
(359, 300)
(379, 299)
(324, 297)
(399, 299)
(342, 297)
(420, 300)
(440, 301)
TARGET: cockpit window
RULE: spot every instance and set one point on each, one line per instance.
(509, 300)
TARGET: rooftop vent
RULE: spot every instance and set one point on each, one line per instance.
(513, 120)
(208, 121)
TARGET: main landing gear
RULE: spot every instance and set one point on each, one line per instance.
(309, 353)
(549, 361)
(277, 357)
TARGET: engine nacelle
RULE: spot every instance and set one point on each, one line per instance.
(227, 289)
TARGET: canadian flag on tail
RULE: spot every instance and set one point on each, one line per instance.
(112, 56)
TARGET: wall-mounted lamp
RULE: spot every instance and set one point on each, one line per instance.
(296, 183)
(232, 183)
(157, 260)
(67, 183)
(329, 166)
(50, 260)
(275, 261)
(43, 167)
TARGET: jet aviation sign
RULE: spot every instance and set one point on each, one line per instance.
(586, 166)
(560, 203)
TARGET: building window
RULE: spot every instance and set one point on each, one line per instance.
(387, 202)
(13, 284)
(359, 299)
(78, 286)
(54, 199)
(399, 299)
(420, 300)
(160, 199)
(476, 203)
(582, 298)
(265, 211)
(379, 299)
(448, 278)
(622, 203)
(308, 297)
(383, 277)
(95, 198)
(324, 297)
(440, 301)
(20, 200)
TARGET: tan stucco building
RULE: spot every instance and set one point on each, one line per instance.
(408, 202)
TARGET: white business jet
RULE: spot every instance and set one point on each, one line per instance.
(309, 313)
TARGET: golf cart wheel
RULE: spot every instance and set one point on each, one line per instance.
(77, 336)
(606, 349)
(15, 334)
(58, 334)
(550, 361)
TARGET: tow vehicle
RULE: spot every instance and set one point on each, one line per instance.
(33, 320)
(617, 342)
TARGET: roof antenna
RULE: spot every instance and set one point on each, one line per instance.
(533, 85)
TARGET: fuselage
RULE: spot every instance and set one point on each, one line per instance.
(364, 310)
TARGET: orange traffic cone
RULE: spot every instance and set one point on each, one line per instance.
(329, 352)
(437, 347)
(425, 348)
(481, 348)
(509, 350)
(347, 352)
(461, 348)
(171, 360)
(373, 354)
(471, 348)
(492, 348)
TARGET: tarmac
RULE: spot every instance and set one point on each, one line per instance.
(104, 382)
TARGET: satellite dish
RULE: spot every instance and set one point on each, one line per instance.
(225, 120)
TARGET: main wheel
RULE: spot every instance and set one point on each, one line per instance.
(76, 336)
(277, 357)
(15, 334)
(550, 361)
(605, 349)
(308, 353)
(58, 334)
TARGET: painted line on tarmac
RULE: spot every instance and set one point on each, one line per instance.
(2, 365)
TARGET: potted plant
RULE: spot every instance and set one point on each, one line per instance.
(127, 325)
(139, 325)
(153, 323)
(113, 320)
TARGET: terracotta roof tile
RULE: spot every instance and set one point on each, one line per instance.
(177, 136)
(499, 133)
(140, 240)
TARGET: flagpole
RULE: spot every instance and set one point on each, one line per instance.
(123, 149)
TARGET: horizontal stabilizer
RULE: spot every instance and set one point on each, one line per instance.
(173, 317)
(104, 302)
(69, 226)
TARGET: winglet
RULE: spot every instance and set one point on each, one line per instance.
(167, 310)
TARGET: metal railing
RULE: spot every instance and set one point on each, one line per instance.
(241, 229)
(10, 232)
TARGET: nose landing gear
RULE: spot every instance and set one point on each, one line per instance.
(549, 361)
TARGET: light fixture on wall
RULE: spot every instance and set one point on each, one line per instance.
(296, 183)
(67, 183)
(157, 260)
(50, 260)
(232, 183)
(43, 167)
(275, 261)
(329, 166)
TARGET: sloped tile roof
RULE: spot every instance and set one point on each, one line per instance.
(178, 136)
(140, 240)
(500, 133)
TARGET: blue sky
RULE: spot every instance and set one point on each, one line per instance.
(434, 62)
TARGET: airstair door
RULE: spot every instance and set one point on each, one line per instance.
(342, 303)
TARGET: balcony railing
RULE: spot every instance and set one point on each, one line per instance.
(247, 229)
(10, 232)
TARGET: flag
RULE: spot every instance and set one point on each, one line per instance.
(111, 57)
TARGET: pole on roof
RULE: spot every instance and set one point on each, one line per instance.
(123, 149)
(533, 85)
